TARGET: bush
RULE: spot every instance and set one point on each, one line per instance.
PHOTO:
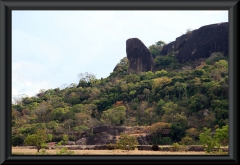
(110, 146)
(165, 141)
(17, 140)
(56, 138)
(126, 142)
(65, 151)
(187, 140)
(214, 57)
(178, 147)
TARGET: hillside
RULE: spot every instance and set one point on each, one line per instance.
(175, 102)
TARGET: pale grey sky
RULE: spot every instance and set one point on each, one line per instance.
(50, 48)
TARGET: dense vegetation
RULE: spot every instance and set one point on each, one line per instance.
(177, 101)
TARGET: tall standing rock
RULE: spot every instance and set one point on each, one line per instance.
(139, 57)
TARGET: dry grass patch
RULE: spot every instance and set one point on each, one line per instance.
(21, 151)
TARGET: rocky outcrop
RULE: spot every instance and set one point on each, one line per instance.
(71, 143)
(139, 57)
(200, 43)
(109, 134)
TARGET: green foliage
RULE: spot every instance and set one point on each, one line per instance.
(57, 114)
(132, 78)
(221, 135)
(64, 140)
(161, 73)
(192, 133)
(126, 142)
(187, 140)
(17, 140)
(168, 61)
(49, 137)
(165, 141)
(177, 132)
(38, 139)
(80, 128)
(214, 58)
(114, 116)
(64, 151)
(155, 49)
(207, 139)
(186, 96)
(178, 147)
(160, 132)
(210, 140)
(198, 102)
(111, 146)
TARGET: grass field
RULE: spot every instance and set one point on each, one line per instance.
(24, 151)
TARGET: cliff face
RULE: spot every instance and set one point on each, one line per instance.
(200, 43)
(139, 57)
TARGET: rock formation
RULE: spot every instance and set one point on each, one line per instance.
(200, 43)
(102, 135)
(139, 57)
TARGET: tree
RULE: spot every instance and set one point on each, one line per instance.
(158, 83)
(38, 139)
(146, 92)
(161, 73)
(41, 110)
(207, 139)
(149, 115)
(221, 135)
(160, 131)
(114, 116)
(155, 49)
(132, 78)
(86, 79)
(192, 132)
(179, 88)
(83, 119)
(58, 114)
(210, 139)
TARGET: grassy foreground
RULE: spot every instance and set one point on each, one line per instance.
(21, 151)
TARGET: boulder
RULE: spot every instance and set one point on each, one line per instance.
(200, 43)
(81, 141)
(139, 57)
(195, 148)
(71, 143)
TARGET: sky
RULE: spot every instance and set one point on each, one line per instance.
(50, 48)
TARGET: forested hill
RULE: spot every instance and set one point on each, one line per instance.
(187, 96)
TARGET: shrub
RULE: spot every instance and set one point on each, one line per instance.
(64, 140)
(17, 140)
(186, 140)
(126, 142)
(165, 141)
(178, 147)
(110, 146)
(65, 151)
